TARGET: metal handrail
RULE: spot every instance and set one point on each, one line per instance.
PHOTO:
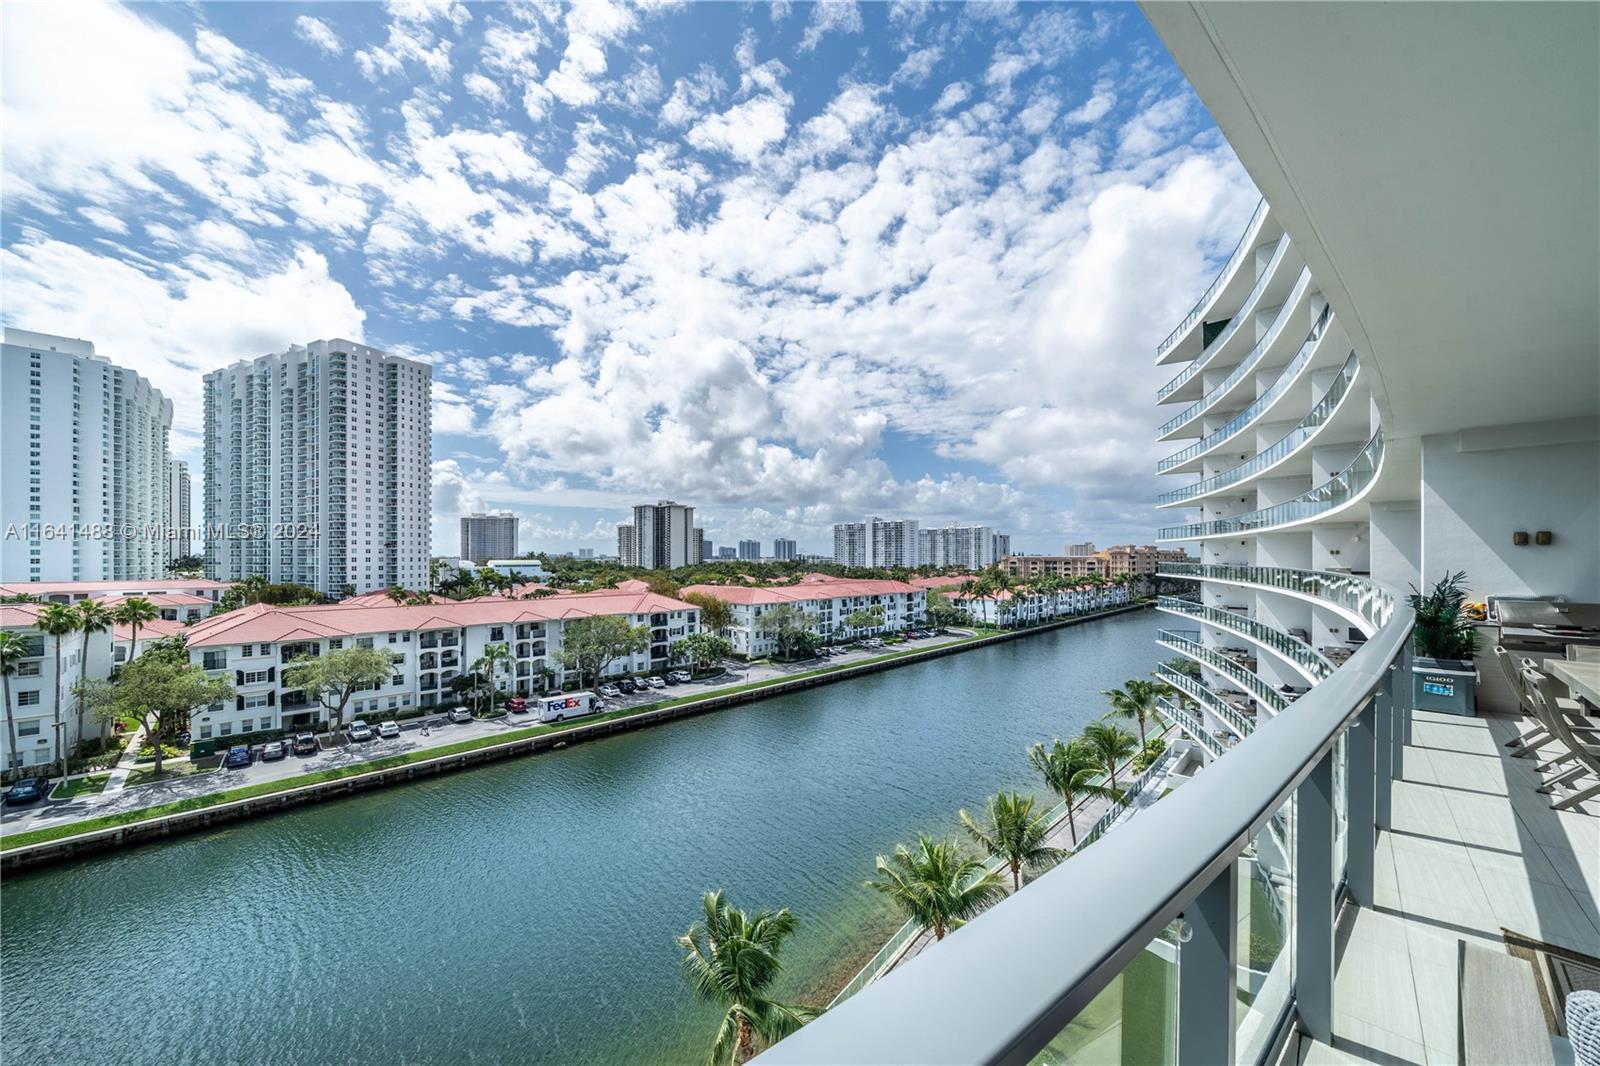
(1256, 353)
(1254, 683)
(1216, 283)
(1276, 640)
(1320, 414)
(1209, 352)
(1337, 491)
(1005, 985)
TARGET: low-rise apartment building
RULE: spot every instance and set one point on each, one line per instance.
(432, 645)
(1139, 560)
(1008, 607)
(78, 591)
(828, 601)
(34, 682)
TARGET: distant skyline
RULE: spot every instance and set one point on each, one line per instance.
(792, 264)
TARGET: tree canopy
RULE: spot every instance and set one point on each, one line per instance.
(333, 678)
(589, 645)
(160, 689)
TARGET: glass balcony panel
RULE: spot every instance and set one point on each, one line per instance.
(1353, 592)
(1341, 806)
(1266, 941)
(1242, 315)
(1132, 1022)
(1286, 446)
(1216, 283)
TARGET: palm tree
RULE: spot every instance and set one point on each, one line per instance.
(936, 885)
(1111, 744)
(134, 612)
(731, 959)
(57, 620)
(13, 648)
(1014, 833)
(93, 617)
(1136, 699)
(1070, 770)
(493, 656)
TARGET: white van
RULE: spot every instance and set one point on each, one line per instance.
(571, 705)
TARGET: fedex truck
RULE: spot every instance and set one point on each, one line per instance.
(569, 705)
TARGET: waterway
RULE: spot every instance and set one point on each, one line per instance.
(526, 911)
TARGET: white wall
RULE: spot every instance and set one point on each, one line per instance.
(1481, 485)
(1396, 555)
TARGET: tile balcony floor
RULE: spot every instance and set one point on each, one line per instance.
(1474, 851)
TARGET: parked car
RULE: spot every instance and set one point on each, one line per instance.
(459, 714)
(516, 705)
(656, 682)
(28, 790)
(610, 692)
(273, 750)
(679, 677)
(237, 757)
(305, 744)
(627, 686)
(389, 730)
(360, 731)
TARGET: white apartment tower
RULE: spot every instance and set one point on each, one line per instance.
(83, 464)
(488, 536)
(784, 549)
(876, 542)
(317, 463)
(179, 517)
(972, 547)
(627, 545)
(663, 535)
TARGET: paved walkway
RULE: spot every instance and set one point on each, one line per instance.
(125, 765)
(1474, 853)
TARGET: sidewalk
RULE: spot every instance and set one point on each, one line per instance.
(119, 773)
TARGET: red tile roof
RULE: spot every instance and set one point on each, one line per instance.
(263, 624)
(160, 599)
(102, 588)
(154, 629)
(810, 587)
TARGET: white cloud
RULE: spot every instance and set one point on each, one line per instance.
(104, 219)
(174, 323)
(484, 89)
(745, 130)
(830, 16)
(1099, 104)
(318, 33)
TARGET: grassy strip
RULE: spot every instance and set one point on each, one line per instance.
(146, 775)
(81, 786)
(194, 803)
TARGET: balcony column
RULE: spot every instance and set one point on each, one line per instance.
(1314, 900)
(1383, 769)
(1208, 996)
(1361, 747)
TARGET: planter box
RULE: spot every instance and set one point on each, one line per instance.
(1449, 686)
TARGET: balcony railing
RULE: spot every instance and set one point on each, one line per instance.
(1256, 353)
(1201, 693)
(1222, 338)
(1344, 487)
(1354, 593)
(1246, 679)
(1192, 726)
(1216, 284)
(1010, 983)
(1286, 446)
(1290, 374)
(1295, 650)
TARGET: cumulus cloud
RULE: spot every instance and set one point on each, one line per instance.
(315, 32)
(830, 16)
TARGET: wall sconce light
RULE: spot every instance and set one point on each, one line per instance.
(1544, 536)
(1519, 538)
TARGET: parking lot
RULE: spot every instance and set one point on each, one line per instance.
(417, 734)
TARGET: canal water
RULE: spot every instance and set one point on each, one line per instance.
(526, 911)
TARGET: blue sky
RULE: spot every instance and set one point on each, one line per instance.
(794, 264)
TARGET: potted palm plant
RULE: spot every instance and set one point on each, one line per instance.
(1442, 673)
